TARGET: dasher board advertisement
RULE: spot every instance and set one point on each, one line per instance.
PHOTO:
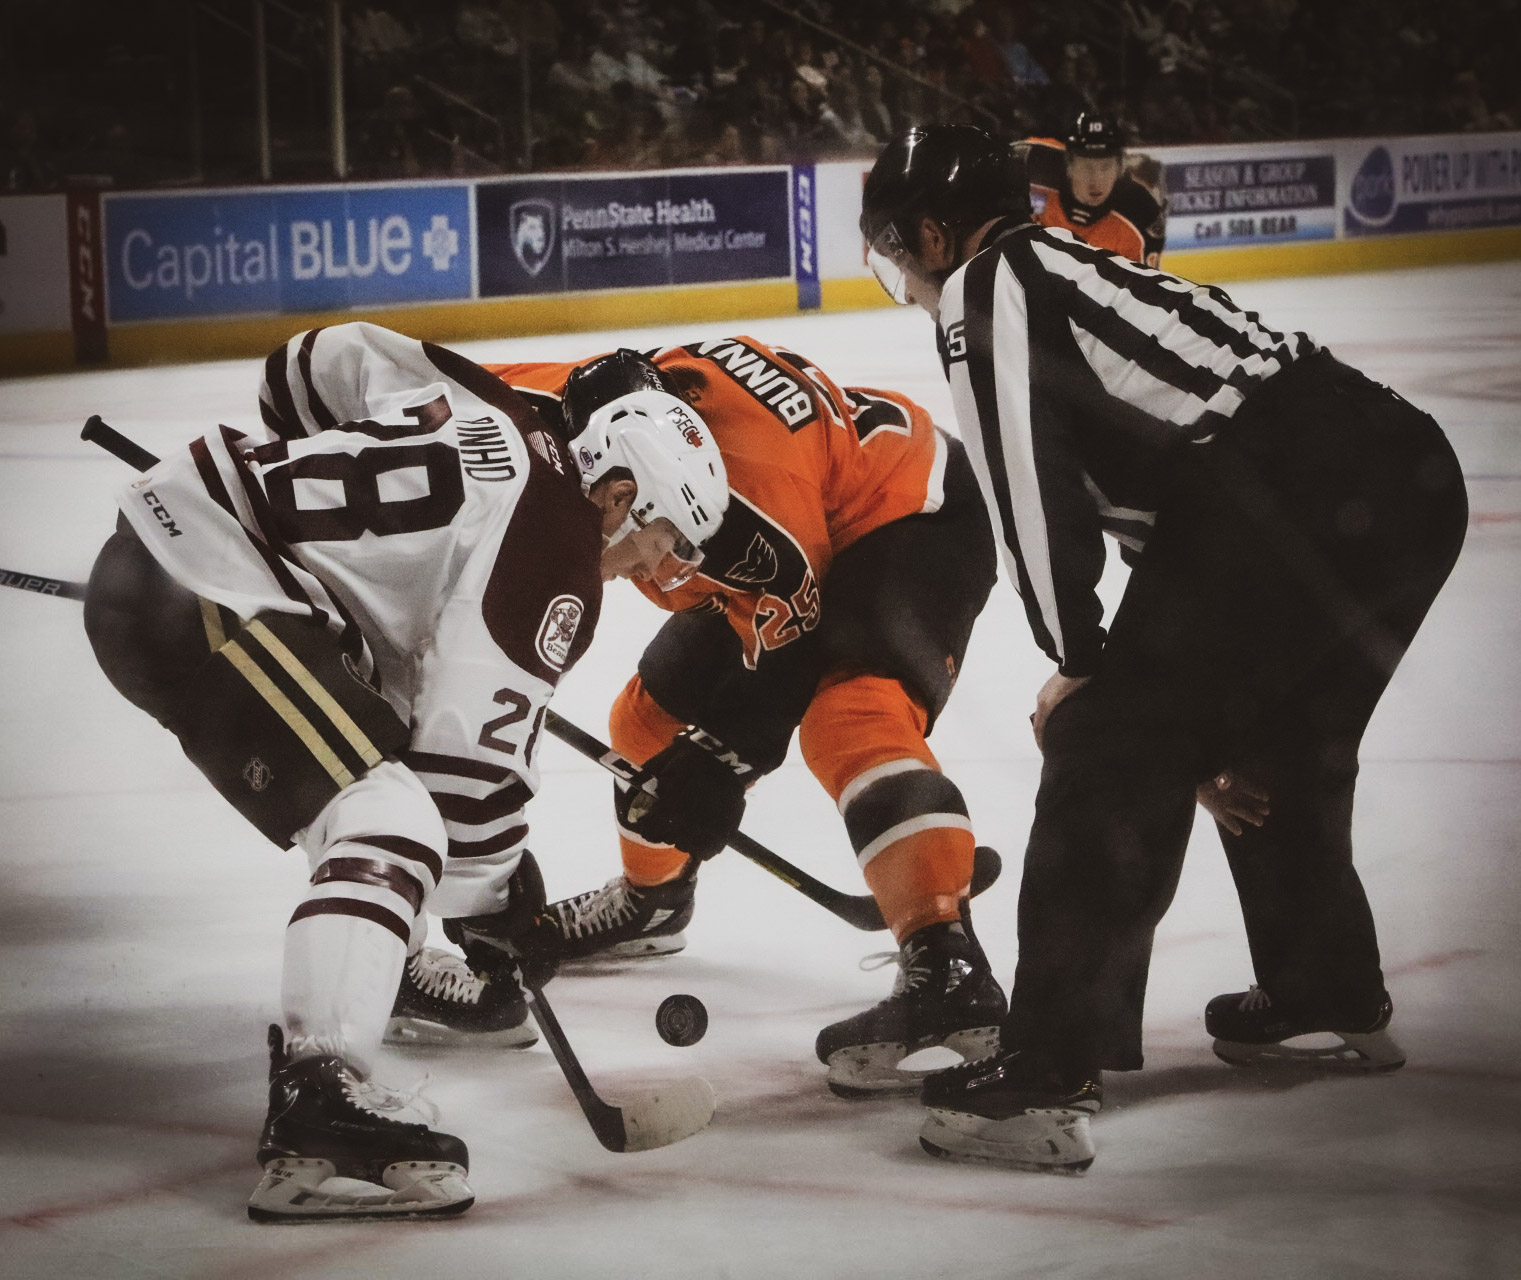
(568, 234)
(294, 250)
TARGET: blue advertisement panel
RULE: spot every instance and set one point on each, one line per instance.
(312, 249)
(563, 234)
(1435, 184)
(1250, 200)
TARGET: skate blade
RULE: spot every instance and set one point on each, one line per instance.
(303, 1190)
(1040, 1140)
(419, 1031)
(872, 1070)
(1357, 1053)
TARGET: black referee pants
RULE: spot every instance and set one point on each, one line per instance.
(1287, 574)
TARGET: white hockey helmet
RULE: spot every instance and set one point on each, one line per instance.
(622, 413)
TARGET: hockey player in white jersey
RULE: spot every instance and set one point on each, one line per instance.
(354, 625)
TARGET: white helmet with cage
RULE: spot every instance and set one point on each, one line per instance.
(662, 442)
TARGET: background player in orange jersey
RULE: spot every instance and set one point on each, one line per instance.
(836, 599)
(1084, 186)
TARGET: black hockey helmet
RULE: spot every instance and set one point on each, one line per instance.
(958, 174)
(1095, 137)
(604, 380)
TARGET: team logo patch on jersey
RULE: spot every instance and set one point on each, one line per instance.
(558, 630)
(533, 233)
(758, 566)
(257, 774)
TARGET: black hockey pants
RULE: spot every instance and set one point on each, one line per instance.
(1287, 574)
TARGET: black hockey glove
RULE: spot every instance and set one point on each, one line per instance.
(522, 932)
(698, 795)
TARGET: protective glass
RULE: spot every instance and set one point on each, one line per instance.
(888, 257)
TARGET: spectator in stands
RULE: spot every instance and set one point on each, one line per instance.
(841, 127)
(1022, 67)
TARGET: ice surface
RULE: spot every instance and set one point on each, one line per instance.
(141, 921)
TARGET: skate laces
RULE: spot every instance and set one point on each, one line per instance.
(1255, 998)
(445, 975)
(406, 1106)
(600, 910)
(912, 973)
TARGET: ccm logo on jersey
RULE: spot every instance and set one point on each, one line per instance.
(161, 513)
(558, 630)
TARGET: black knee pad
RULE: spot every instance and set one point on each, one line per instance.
(901, 602)
(279, 722)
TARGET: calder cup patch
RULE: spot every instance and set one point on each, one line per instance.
(558, 630)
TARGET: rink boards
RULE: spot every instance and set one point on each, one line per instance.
(122, 277)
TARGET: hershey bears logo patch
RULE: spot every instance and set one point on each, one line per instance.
(558, 630)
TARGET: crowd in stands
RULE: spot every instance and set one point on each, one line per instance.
(482, 86)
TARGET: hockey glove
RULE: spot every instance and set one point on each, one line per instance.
(522, 931)
(691, 795)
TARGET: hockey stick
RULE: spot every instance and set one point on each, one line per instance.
(652, 1118)
(42, 586)
(113, 442)
(860, 910)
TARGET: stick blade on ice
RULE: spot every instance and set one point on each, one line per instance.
(667, 1113)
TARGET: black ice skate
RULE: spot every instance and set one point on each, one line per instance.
(1003, 1110)
(329, 1151)
(623, 920)
(1250, 1030)
(443, 1000)
(945, 994)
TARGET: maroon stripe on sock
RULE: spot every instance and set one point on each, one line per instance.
(371, 871)
(485, 848)
(352, 907)
(404, 848)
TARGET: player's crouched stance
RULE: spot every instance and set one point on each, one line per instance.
(354, 627)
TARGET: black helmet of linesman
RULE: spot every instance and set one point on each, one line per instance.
(1095, 137)
(957, 174)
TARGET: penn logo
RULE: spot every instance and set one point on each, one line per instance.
(557, 633)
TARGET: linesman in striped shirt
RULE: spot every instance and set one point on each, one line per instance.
(1288, 523)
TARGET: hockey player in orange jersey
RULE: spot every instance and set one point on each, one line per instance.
(836, 599)
(1084, 186)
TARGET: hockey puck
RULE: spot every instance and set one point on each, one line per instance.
(681, 1020)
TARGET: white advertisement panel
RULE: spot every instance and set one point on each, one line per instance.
(34, 264)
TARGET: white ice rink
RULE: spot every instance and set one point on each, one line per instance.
(141, 923)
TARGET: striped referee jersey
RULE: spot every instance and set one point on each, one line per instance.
(1078, 379)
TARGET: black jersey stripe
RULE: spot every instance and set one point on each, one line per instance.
(321, 414)
(287, 422)
(455, 766)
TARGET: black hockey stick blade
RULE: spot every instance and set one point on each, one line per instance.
(645, 1120)
(856, 909)
(112, 441)
(42, 586)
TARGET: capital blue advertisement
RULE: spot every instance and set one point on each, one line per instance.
(292, 250)
(1434, 184)
(567, 234)
(1250, 199)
